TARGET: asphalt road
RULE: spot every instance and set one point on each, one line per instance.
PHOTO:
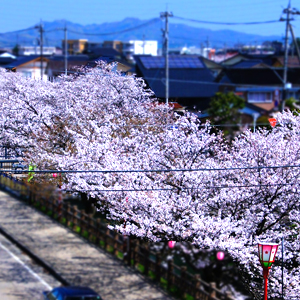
(20, 277)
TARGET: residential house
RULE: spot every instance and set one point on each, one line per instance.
(137, 47)
(119, 65)
(5, 53)
(36, 50)
(29, 66)
(96, 52)
(260, 85)
(117, 45)
(241, 57)
(57, 66)
(191, 83)
(75, 46)
(292, 62)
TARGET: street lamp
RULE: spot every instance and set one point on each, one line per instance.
(266, 253)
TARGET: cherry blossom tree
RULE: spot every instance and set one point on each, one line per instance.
(161, 176)
(261, 199)
(26, 106)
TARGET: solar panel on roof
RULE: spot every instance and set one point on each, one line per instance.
(175, 62)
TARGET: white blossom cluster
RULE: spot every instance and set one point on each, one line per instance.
(192, 186)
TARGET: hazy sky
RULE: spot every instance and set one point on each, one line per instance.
(20, 14)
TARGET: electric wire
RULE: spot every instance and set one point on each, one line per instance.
(157, 170)
(120, 31)
(151, 79)
(185, 188)
(226, 23)
(16, 31)
(212, 83)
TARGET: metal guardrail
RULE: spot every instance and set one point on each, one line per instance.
(6, 164)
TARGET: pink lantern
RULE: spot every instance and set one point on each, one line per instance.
(54, 175)
(171, 244)
(220, 255)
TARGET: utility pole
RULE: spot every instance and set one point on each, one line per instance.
(295, 43)
(207, 42)
(202, 49)
(288, 11)
(40, 27)
(143, 44)
(166, 15)
(66, 51)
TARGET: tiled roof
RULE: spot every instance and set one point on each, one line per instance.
(70, 58)
(22, 60)
(187, 81)
(247, 63)
(258, 76)
(4, 61)
(293, 61)
(57, 63)
(175, 62)
(108, 52)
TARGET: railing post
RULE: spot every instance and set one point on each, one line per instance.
(116, 239)
(158, 268)
(183, 280)
(125, 248)
(197, 286)
(106, 236)
(97, 232)
(170, 273)
(146, 258)
(69, 214)
(135, 252)
(229, 295)
(64, 213)
(129, 250)
(213, 287)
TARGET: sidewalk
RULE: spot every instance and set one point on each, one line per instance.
(77, 261)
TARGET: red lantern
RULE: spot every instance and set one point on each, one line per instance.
(273, 122)
(54, 175)
(266, 253)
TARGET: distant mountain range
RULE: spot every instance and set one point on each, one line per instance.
(132, 29)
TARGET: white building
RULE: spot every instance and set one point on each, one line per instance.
(36, 50)
(139, 47)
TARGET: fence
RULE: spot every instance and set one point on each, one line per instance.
(133, 252)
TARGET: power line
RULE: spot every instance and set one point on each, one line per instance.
(227, 23)
(189, 81)
(185, 188)
(155, 171)
(21, 30)
(120, 31)
(214, 83)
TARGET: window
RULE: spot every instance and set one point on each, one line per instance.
(26, 73)
(260, 97)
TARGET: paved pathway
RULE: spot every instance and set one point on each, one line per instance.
(79, 262)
